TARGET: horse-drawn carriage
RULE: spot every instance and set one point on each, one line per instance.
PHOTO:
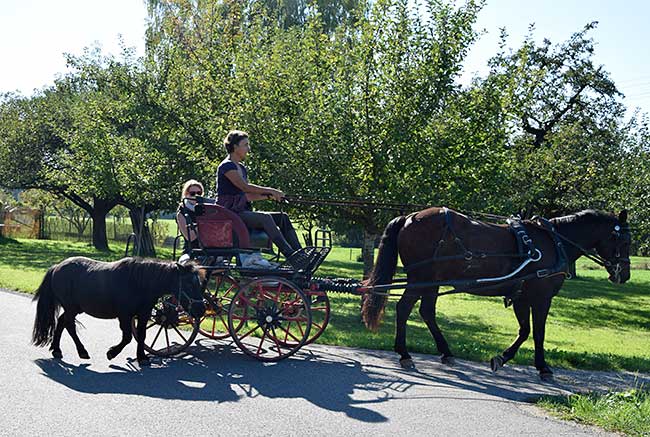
(271, 312)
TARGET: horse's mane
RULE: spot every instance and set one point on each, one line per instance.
(588, 216)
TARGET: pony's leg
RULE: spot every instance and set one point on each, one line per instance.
(428, 314)
(125, 326)
(140, 334)
(404, 308)
(55, 347)
(521, 308)
(72, 330)
(540, 313)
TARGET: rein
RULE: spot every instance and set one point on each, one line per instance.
(388, 206)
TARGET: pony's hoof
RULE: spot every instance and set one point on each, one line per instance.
(110, 354)
(84, 355)
(57, 354)
(144, 362)
(448, 360)
(496, 363)
(407, 363)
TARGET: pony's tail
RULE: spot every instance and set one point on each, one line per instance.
(46, 311)
(382, 274)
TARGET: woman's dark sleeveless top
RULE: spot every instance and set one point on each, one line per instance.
(228, 195)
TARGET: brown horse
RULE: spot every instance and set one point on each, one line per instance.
(438, 246)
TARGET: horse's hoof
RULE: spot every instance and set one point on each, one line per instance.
(144, 362)
(448, 360)
(84, 355)
(546, 375)
(110, 354)
(407, 363)
(57, 354)
(496, 363)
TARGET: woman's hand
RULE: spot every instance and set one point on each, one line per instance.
(277, 195)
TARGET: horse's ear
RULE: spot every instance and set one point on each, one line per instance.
(622, 217)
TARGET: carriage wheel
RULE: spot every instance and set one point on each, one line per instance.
(170, 330)
(319, 305)
(219, 294)
(320, 314)
(273, 317)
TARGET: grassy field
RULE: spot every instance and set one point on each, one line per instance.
(593, 324)
(627, 412)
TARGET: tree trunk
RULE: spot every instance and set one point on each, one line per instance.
(98, 214)
(143, 245)
(368, 252)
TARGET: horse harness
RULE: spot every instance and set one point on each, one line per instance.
(183, 293)
(527, 253)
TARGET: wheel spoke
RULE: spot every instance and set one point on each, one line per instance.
(179, 333)
(289, 334)
(287, 331)
(214, 324)
(156, 337)
(277, 345)
(259, 348)
(167, 339)
(248, 333)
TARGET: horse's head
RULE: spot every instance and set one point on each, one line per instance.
(615, 249)
(192, 282)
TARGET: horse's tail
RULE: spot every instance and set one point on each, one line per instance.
(382, 273)
(46, 311)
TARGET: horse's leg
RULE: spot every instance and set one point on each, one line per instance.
(140, 334)
(404, 308)
(521, 308)
(72, 330)
(540, 313)
(125, 326)
(428, 314)
(55, 347)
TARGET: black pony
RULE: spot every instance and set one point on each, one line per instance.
(121, 289)
(438, 246)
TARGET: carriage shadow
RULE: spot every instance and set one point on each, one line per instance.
(333, 381)
(220, 373)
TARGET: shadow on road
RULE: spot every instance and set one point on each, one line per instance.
(332, 380)
(217, 372)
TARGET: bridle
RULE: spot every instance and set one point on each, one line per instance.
(622, 237)
(182, 293)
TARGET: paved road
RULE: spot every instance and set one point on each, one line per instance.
(217, 391)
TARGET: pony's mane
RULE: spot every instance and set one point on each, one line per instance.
(588, 216)
(146, 272)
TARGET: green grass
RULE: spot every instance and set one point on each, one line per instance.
(593, 324)
(627, 412)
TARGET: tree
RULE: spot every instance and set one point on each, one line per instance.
(33, 139)
(564, 122)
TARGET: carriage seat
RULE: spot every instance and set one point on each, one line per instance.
(218, 227)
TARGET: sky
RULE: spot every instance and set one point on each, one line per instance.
(35, 34)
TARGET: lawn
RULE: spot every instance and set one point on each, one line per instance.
(593, 324)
